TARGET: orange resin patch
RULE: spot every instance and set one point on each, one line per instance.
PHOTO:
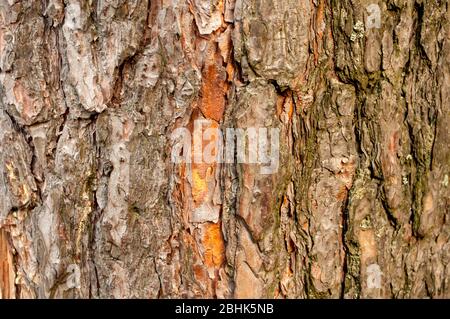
(214, 245)
(213, 90)
(200, 177)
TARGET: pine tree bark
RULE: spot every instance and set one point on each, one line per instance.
(91, 205)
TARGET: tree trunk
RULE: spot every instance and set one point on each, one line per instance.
(92, 204)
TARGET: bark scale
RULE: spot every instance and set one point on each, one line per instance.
(91, 205)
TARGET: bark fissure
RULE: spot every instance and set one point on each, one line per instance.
(91, 204)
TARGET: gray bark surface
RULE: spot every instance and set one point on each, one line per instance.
(91, 205)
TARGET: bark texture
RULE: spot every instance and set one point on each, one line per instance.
(91, 205)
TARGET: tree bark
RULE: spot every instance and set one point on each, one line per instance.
(92, 206)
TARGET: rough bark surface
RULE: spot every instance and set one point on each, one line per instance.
(91, 205)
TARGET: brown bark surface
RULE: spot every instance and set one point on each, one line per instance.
(91, 205)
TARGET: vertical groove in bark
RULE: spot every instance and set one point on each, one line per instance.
(7, 272)
(92, 206)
